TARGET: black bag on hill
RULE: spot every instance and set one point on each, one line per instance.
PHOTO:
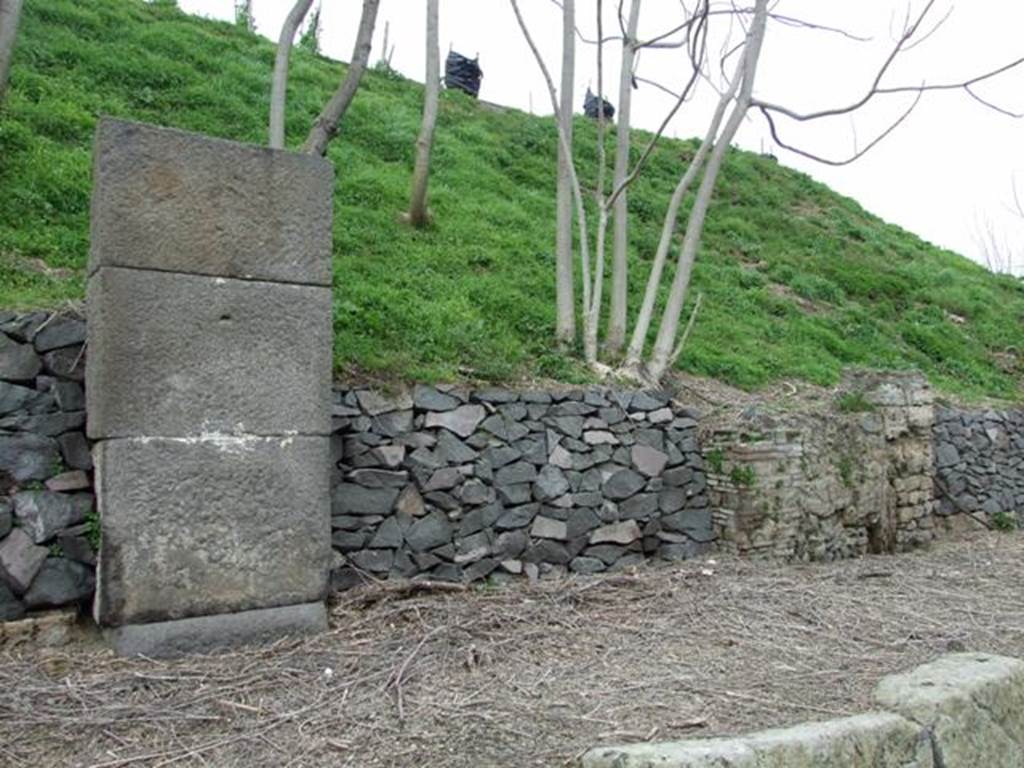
(462, 73)
(590, 106)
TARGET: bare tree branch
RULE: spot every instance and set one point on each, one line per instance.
(326, 125)
(279, 83)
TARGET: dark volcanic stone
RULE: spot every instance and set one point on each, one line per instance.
(75, 450)
(11, 608)
(66, 363)
(24, 328)
(6, 517)
(14, 397)
(638, 507)
(352, 499)
(48, 424)
(586, 565)
(694, 523)
(517, 517)
(388, 535)
(375, 560)
(520, 472)
(547, 551)
(429, 399)
(550, 483)
(581, 521)
(515, 494)
(77, 547)
(480, 569)
(452, 450)
(429, 532)
(348, 541)
(495, 396)
(648, 401)
(476, 492)
(42, 514)
(501, 455)
(60, 332)
(463, 421)
(379, 478)
(18, 362)
(70, 396)
(59, 582)
(623, 484)
(511, 544)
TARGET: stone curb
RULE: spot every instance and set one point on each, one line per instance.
(961, 711)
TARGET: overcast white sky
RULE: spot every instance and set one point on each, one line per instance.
(947, 168)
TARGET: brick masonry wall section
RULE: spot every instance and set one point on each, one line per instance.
(459, 486)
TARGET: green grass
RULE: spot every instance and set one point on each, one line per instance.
(798, 281)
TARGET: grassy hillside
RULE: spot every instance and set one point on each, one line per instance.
(798, 281)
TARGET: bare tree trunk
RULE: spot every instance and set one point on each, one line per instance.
(577, 192)
(326, 125)
(279, 85)
(620, 234)
(565, 329)
(668, 229)
(664, 345)
(10, 13)
(418, 215)
(592, 311)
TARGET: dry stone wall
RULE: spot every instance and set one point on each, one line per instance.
(979, 464)
(47, 520)
(459, 485)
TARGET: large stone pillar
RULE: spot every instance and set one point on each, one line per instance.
(208, 375)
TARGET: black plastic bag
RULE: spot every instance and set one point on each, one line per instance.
(590, 106)
(462, 73)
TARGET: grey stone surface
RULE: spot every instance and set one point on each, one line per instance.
(617, 533)
(430, 399)
(429, 532)
(623, 484)
(546, 528)
(60, 332)
(972, 704)
(60, 581)
(180, 355)
(42, 514)
(164, 199)
(20, 560)
(517, 517)
(11, 608)
(520, 472)
(18, 362)
(194, 527)
(410, 502)
(46, 424)
(6, 517)
(352, 499)
(872, 740)
(14, 397)
(648, 461)
(388, 535)
(379, 478)
(375, 404)
(75, 450)
(66, 363)
(463, 421)
(550, 483)
(74, 480)
(211, 633)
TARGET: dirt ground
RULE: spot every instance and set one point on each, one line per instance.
(526, 675)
